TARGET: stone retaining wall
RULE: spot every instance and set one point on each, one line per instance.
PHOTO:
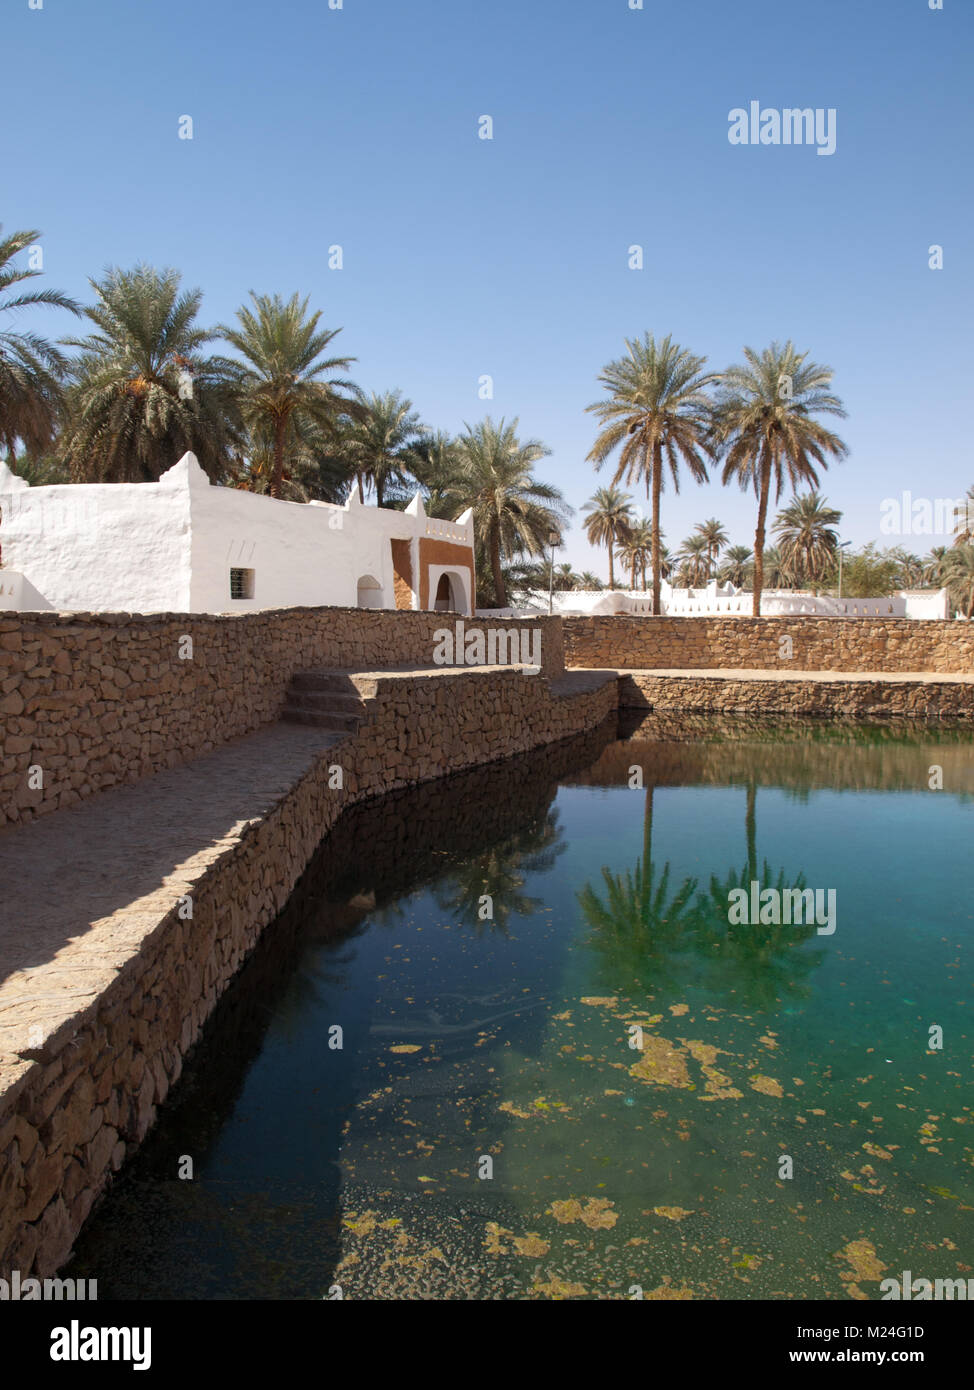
(816, 644)
(75, 1102)
(864, 699)
(88, 701)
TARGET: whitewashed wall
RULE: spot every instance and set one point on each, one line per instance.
(110, 547)
(170, 546)
(727, 602)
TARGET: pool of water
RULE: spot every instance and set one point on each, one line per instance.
(562, 1071)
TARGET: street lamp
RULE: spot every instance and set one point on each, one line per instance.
(553, 540)
(842, 546)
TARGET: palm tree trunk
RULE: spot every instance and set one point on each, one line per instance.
(759, 533)
(361, 490)
(647, 854)
(657, 489)
(277, 473)
(500, 591)
(612, 578)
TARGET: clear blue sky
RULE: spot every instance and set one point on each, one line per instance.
(508, 257)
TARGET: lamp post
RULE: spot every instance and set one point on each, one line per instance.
(842, 546)
(553, 539)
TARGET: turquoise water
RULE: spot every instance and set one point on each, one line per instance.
(490, 1128)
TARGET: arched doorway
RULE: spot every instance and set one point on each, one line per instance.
(449, 595)
(369, 592)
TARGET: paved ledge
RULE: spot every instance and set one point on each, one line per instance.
(84, 887)
(829, 694)
(782, 673)
(105, 984)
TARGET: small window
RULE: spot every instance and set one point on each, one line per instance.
(241, 583)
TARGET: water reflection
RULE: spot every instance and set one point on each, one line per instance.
(650, 935)
(641, 924)
(466, 1037)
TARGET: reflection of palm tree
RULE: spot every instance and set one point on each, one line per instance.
(762, 963)
(643, 932)
(639, 926)
(500, 872)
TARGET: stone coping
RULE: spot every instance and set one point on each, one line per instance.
(85, 887)
(571, 683)
(115, 866)
(779, 674)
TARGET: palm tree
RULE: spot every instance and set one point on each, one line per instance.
(31, 368)
(933, 565)
(965, 521)
(808, 542)
(608, 522)
(776, 572)
(737, 566)
(716, 537)
(642, 538)
(278, 383)
(911, 570)
(588, 580)
(513, 512)
(142, 392)
(434, 462)
(381, 443)
(657, 406)
(958, 571)
(694, 559)
(766, 431)
(640, 926)
(502, 871)
(635, 550)
(629, 553)
(40, 470)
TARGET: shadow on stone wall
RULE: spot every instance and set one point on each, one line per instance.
(380, 850)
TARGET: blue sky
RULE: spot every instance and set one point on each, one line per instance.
(465, 257)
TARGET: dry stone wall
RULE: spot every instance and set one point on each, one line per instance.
(816, 644)
(862, 699)
(90, 701)
(76, 1102)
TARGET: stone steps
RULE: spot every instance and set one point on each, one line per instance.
(325, 700)
(337, 681)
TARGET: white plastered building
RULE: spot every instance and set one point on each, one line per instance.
(184, 545)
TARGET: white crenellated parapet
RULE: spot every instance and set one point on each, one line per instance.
(183, 544)
(724, 601)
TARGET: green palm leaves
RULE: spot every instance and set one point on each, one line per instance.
(766, 429)
(609, 521)
(807, 538)
(31, 368)
(513, 512)
(143, 391)
(281, 382)
(958, 573)
(379, 444)
(646, 931)
(656, 414)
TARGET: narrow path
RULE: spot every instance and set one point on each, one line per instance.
(82, 886)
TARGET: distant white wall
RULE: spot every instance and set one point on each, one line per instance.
(727, 602)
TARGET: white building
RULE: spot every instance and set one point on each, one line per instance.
(184, 545)
(723, 600)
